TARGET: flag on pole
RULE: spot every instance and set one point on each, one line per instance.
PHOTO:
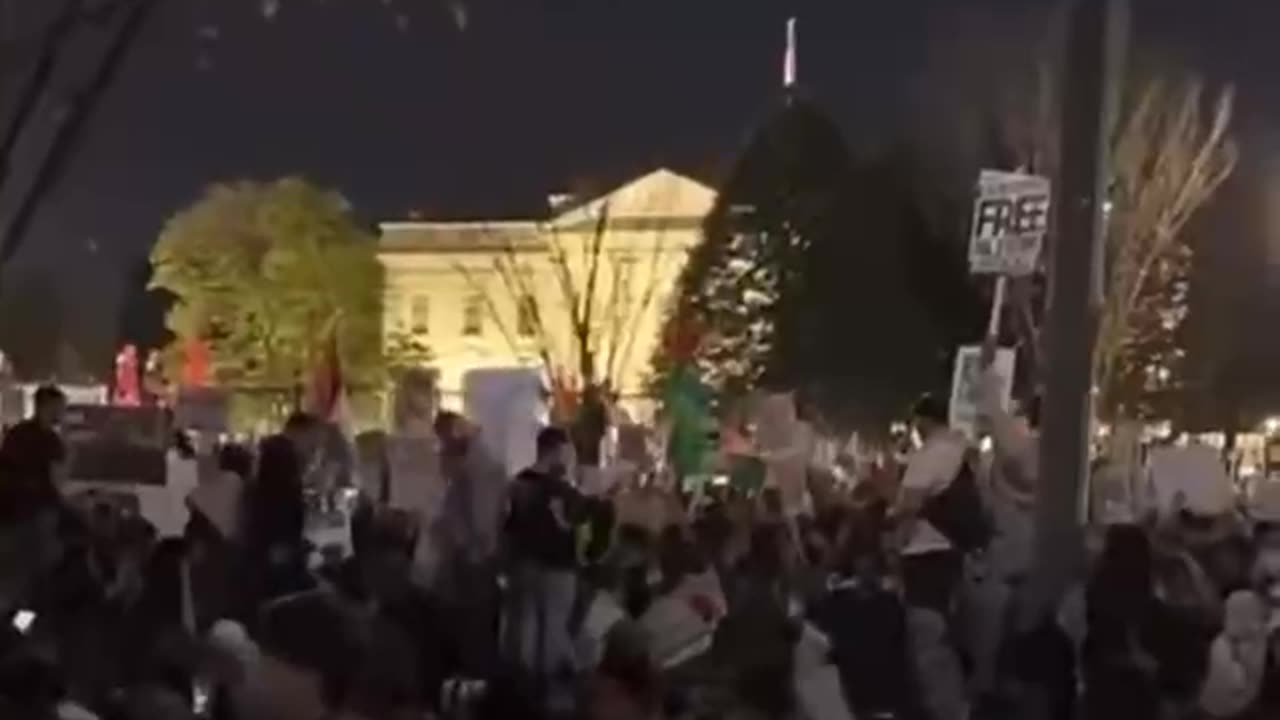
(789, 59)
(327, 395)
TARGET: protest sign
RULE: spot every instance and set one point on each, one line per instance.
(507, 405)
(966, 385)
(116, 444)
(164, 505)
(1193, 478)
(1010, 219)
(786, 444)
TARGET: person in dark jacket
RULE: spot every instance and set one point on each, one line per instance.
(275, 510)
(544, 508)
(32, 458)
(866, 623)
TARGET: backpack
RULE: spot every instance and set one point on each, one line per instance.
(959, 513)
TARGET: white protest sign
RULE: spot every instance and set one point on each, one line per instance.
(1010, 219)
(966, 385)
(1192, 477)
(507, 405)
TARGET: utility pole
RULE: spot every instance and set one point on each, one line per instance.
(1097, 36)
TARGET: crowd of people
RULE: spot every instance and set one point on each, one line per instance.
(900, 595)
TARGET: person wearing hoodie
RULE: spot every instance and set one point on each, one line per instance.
(1237, 659)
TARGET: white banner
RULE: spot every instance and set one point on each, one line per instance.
(1010, 220)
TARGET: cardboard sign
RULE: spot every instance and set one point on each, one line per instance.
(1010, 220)
(966, 385)
(116, 444)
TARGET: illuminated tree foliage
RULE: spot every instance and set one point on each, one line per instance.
(263, 273)
(747, 278)
(825, 275)
(1169, 159)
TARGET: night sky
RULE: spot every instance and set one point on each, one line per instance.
(399, 107)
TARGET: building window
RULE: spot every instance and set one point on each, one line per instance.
(527, 316)
(419, 315)
(473, 316)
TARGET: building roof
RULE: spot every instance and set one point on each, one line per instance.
(661, 199)
(414, 236)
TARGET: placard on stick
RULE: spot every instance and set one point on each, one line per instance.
(966, 385)
(1010, 220)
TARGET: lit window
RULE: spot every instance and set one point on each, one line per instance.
(527, 316)
(473, 316)
(419, 315)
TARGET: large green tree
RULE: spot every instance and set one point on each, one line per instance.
(262, 273)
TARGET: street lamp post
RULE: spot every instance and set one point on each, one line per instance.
(1097, 36)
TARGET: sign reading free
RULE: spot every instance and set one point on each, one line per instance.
(1010, 220)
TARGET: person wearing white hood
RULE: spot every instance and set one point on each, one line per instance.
(1008, 482)
(1237, 658)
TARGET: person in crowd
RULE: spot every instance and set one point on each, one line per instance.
(32, 466)
(469, 533)
(542, 547)
(318, 658)
(754, 642)
(866, 624)
(378, 579)
(1119, 662)
(931, 564)
(1008, 484)
(626, 685)
(1237, 659)
(275, 511)
(32, 457)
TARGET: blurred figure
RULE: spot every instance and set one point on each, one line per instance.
(627, 685)
(469, 534)
(319, 659)
(1237, 659)
(932, 560)
(275, 511)
(544, 508)
(32, 458)
(1119, 662)
(866, 623)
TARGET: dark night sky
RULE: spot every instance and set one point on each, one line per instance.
(536, 94)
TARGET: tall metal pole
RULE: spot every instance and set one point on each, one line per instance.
(1093, 67)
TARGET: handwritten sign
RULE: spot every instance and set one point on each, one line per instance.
(1010, 220)
(966, 385)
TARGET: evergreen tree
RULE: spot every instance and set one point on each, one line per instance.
(826, 276)
(745, 280)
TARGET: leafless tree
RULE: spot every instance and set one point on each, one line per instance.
(600, 294)
(1171, 151)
